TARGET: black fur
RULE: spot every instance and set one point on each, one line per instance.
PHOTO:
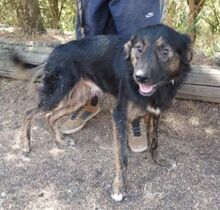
(90, 58)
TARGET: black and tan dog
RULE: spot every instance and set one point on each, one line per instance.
(143, 73)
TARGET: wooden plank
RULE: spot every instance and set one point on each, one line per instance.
(198, 98)
(31, 57)
(208, 77)
(203, 82)
(24, 48)
(199, 92)
(8, 68)
(205, 69)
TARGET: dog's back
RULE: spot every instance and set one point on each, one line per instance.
(90, 58)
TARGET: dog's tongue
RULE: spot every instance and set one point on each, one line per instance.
(144, 88)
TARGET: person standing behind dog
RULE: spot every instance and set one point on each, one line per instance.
(122, 17)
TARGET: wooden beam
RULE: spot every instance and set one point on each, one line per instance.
(199, 92)
(203, 82)
(204, 75)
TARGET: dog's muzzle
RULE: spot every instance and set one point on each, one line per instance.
(146, 86)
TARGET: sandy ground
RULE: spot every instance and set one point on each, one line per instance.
(79, 176)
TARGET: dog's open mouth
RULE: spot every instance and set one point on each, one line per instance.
(146, 89)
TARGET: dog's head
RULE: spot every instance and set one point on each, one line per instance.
(157, 53)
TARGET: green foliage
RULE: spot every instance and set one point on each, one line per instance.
(7, 13)
(209, 27)
(178, 19)
(67, 20)
(207, 23)
(68, 14)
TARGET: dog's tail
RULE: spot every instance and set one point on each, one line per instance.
(25, 70)
(57, 82)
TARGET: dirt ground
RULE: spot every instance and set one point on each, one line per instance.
(79, 176)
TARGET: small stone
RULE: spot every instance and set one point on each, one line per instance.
(71, 142)
(41, 194)
(3, 194)
(97, 139)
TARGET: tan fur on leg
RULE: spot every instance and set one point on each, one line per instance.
(118, 185)
(76, 99)
(26, 128)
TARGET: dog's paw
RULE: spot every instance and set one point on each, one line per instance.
(160, 160)
(26, 150)
(118, 188)
(25, 144)
(117, 197)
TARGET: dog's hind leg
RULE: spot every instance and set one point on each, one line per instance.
(120, 150)
(26, 128)
(66, 110)
(49, 114)
(152, 135)
(77, 98)
(152, 131)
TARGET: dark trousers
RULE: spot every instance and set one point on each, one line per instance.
(121, 17)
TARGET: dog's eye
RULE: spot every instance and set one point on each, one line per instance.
(164, 53)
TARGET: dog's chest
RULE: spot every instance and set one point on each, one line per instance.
(135, 111)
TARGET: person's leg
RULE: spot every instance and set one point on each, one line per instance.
(93, 18)
(129, 16)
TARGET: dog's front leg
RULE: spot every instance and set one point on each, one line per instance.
(152, 135)
(120, 150)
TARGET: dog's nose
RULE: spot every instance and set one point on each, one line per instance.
(141, 76)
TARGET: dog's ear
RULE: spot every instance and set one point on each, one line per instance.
(186, 49)
(127, 49)
(128, 46)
